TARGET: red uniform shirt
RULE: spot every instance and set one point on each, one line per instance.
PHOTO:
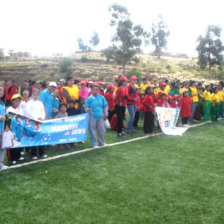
(173, 104)
(162, 103)
(60, 92)
(185, 106)
(121, 97)
(12, 91)
(110, 100)
(148, 101)
(7, 95)
(131, 95)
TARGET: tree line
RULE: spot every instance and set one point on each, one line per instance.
(128, 39)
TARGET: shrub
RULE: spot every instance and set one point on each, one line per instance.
(134, 72)
(109, 53)
(84, 59)
(44, 65)
(66, 66)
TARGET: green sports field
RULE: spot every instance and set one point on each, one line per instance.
(161, 179)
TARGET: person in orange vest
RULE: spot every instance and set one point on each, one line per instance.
(71, 91)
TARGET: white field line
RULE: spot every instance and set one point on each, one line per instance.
(90, 149)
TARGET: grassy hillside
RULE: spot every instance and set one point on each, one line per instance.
(97, 68)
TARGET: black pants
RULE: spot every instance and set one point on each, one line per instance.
(111, 114)
(14, 154)
(148, 122)
(185, 120)
(135, 123)
(120, 111)
(41, 150)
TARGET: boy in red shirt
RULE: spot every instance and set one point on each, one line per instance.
(162, 102)
(110, 100)
(149, 109)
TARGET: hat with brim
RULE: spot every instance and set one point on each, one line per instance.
(53, 84)
(123, 78)
(16, 96)
(162, 84)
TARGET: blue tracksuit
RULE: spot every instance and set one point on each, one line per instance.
(47, 98)
(98, 108)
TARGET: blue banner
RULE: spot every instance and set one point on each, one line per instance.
(27, 132)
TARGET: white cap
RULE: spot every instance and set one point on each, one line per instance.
(53, 84)
(62, 80)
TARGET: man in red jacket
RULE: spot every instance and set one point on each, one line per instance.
(132, 101)
(7, 96)
(13, 89)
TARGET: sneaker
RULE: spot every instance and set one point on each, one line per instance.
(120, 135)
(34, 157)
(123, 134)
(219, 119)
(104, 145)
(95, 146)
(44, 156)
(3, 167)
(13, 162)
(21, 158)
(22, 153)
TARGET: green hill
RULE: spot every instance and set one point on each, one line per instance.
(97, 68)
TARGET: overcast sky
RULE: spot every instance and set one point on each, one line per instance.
(44, 27)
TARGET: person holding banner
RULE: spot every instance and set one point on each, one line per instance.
(96, 105)
(185, 108)
(2, 119)
(15, 154)
(35, 110)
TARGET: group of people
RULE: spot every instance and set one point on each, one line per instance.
(103, 102)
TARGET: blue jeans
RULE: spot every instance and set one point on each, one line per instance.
(131, 110)
(193, 109)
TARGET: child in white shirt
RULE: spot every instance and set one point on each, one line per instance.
(35, 110)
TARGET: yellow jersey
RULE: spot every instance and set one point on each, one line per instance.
(194, 91)
(221, 95)
(73, 93)
(207, 96)
(182, 90)
(167, 89)
(143, 88)
(215, 97)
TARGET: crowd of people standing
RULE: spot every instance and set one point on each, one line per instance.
(105, 101)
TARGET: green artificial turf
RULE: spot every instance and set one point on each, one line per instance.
(162, 179)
